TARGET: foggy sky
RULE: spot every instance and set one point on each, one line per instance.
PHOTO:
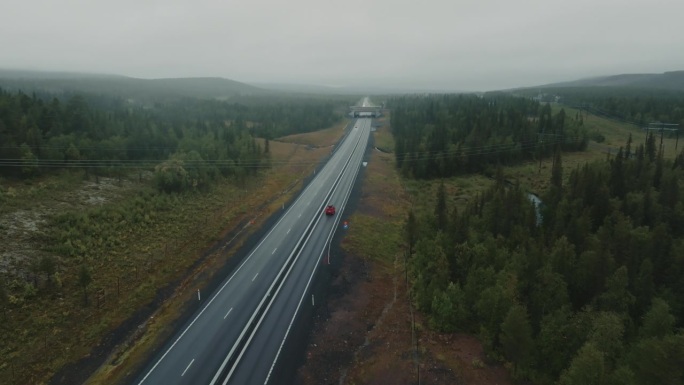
(450, 45)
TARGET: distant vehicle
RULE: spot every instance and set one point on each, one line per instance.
(330, 210)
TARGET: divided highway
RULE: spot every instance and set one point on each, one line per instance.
(237, 335)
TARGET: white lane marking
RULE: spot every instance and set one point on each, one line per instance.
(186, 369)
(274, 250)
(231, 309)
(255, 277)
(300, 215)
(288, 230)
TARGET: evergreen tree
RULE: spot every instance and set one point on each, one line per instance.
(658, 322)
(441, 208)
(628, 147)
(606, 335)
(617, 176)
(587, 368)
(617, 297)
(659, 360)
(516, 337)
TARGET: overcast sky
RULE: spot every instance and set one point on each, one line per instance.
(450, 44)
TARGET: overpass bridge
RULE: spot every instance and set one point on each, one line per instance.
(365, 111)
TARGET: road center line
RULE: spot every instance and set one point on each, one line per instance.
(231, 309)
(186, 369)
(255, 277)
(300, 215)
(288, 230)
(274, 250)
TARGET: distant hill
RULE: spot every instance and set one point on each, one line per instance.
(304, 88)
(673, 81)
(125, 87)
(358, 90)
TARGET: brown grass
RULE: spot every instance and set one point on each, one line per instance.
(322, 138)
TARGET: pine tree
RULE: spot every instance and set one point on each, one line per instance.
(556, 188)
(617, 176)
(516, 337)
(441, 209)
(628, 147)
(617, 297)
(658, 321)
(587, 368)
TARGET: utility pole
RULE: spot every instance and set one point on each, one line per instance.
(540, 141)
(665, 127)
(677, 140)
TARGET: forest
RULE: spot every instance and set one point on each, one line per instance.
(188, 142)
(446, 135)
(594, 294)
(635, 105)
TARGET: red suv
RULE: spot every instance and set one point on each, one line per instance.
(330, 210)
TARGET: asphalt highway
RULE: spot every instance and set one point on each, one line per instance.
(259, 359)
(247, 317)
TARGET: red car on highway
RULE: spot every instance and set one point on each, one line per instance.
(330, 210)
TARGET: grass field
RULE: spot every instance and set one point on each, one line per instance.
(617, 133)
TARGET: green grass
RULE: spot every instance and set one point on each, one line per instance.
(373, 237)
(617, 133)
(383, 138)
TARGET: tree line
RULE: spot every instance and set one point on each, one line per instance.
(188, 142)
(640, 106)
(594, 294)
(446, 135)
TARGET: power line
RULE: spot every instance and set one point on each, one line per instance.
(266, 163)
